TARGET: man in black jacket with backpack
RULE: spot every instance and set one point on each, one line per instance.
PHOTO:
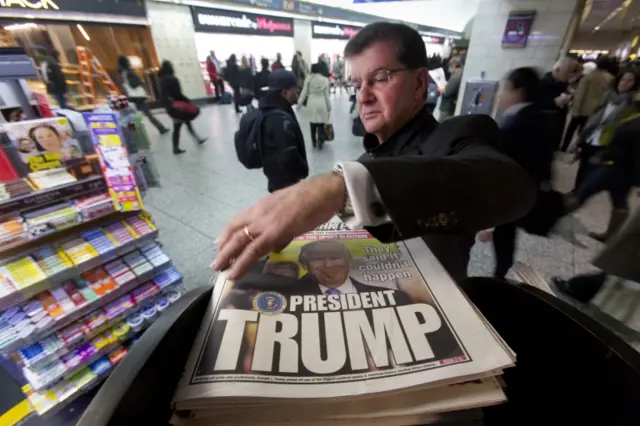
(270, 137)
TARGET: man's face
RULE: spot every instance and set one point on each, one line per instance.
(565, 73)
(388, 94)
(331, 269)
(291, 94)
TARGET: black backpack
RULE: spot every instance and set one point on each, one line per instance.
(248, 138)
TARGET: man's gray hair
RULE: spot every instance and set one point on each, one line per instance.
(567, 63)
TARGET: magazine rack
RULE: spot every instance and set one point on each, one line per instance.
(570, 369)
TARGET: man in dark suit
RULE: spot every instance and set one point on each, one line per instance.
(444, 182)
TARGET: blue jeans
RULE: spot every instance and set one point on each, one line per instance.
(604, 178)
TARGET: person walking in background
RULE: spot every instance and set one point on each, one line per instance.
(554, 97)
(261, 79)
(587, 98)
(277, 64)
(232, 75)
(609, 157)
(323, 66)
(134, 90)
(299, 68)
(600, 126)
(315, 96)
(338, 73)
(284, 157)
(450, 95)
(246, 83)
(524, 139)
(172, 92)
(215, 75)
(54, 78)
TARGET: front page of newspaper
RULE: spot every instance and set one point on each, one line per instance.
(338, 313)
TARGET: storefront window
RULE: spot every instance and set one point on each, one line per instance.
(103, 42)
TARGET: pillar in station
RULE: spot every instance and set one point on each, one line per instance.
(302, 39)
(554, 23)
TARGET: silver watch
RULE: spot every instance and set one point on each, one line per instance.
(347, 210)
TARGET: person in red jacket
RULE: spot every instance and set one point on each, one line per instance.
(277, 64)
(213, 69)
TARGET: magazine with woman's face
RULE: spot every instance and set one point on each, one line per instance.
(45, 143)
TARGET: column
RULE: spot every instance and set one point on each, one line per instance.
(302, 39)
(551, 27)
(174, 38)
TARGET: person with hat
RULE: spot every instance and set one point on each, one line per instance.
(284, 157)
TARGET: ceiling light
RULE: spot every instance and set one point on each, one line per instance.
(83, 32)
(18, 27)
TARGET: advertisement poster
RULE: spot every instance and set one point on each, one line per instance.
(518, 28)
(44, 144)
(114, 161)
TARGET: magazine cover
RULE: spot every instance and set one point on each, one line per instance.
(44, 144)
(337, 313)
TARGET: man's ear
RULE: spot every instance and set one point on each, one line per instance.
(422, 84)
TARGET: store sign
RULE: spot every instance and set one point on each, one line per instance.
(107, 7)
(232, 22)
(335, 31)
(433, 39)
(518, 27)
(24, 4)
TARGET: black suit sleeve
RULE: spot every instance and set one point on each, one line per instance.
(475, 188)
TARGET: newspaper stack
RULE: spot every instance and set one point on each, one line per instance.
(340, 328)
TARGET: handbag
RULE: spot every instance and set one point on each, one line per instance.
(329, 134)
(183, 110)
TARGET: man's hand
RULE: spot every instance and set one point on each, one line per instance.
(562, 100)
(277, 219)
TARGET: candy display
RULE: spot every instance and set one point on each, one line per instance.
(51, 219)
(74, 294)
(140, 225)
(51, 178)
(52, 260)
(167, 277)
(120, 233)
(99, 240)
(95, 206)
(60, 305)
(14, 189)
(79, 251)
(13, 232)
(24, 272)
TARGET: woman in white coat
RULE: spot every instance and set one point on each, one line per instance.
(315, 96)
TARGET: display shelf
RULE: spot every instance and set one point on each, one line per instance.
(43, 237)
(65, 320)
(86, 338)
(75, 270)
(52, 406)
(54, 380)
(57, 406)
(48, 196)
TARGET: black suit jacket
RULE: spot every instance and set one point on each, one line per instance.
(525, 138)
(445, 182)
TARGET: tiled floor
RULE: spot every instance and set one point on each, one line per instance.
(202, 189)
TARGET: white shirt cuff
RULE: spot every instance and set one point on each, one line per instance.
(363, 195)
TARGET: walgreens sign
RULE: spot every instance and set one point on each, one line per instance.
(232, 22)
(334, 31)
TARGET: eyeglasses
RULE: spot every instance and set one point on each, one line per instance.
(378, 78)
